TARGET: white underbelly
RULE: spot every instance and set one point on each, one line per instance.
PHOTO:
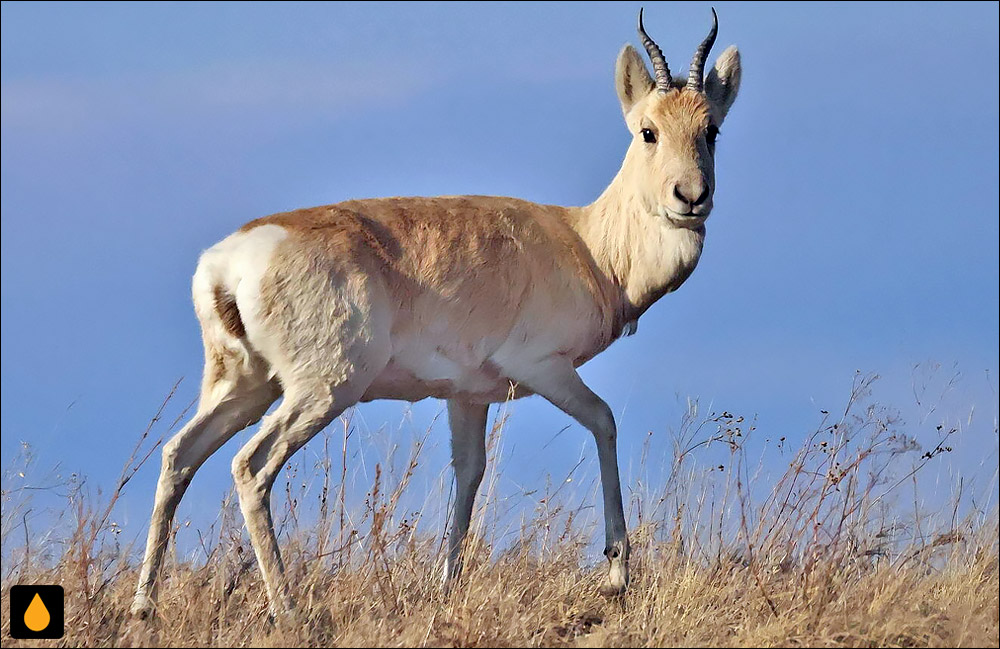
(439, 377)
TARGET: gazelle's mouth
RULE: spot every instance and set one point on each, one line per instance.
(690, 221)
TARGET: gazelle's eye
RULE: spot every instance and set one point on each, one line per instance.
(711, 134)
(648, 136)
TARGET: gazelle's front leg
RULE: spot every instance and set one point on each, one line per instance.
(557, 381)
(468, 457)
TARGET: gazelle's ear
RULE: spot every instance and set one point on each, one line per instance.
(723, 81)
(632, 80)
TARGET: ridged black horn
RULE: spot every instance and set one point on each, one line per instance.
(696, 77)
(660, 69)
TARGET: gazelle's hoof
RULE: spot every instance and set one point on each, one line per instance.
(611, 591)
(142, 608)
(617, 580)
(283, 613)
(452, 571)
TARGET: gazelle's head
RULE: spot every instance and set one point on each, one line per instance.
(670, 164)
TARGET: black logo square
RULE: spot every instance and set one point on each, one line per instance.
(36, 612)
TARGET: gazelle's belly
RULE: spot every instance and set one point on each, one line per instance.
(481, 371)
(413, 376)
(483, 352)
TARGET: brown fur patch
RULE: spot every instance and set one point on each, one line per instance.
(225, 306)
(681, 111)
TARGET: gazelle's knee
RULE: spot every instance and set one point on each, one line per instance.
(602, 423)
(244, 472)
(175, 469)
(248, 469)
(289, 427)
(171, 454)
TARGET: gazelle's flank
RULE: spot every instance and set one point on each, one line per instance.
(459, 298)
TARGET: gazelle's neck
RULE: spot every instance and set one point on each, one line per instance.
(640, 251)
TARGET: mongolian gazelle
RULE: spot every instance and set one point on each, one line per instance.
(461, 298)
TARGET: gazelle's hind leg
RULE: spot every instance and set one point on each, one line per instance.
(234, 396)
(305, 410)
(323, 323)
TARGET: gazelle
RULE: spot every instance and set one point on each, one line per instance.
(461, 298)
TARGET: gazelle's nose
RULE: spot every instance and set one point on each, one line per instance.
(691, 193)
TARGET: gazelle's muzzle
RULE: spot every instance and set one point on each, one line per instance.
(687, 201)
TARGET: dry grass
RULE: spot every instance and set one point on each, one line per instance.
(724, 553)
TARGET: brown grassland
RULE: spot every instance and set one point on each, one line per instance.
(829, 550)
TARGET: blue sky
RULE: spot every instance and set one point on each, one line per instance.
(855, 224)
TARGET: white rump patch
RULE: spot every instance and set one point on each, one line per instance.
(236, 265)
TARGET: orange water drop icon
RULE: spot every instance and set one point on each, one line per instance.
(37, 616)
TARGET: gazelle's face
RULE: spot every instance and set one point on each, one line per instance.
(671, 159)
(670, 164)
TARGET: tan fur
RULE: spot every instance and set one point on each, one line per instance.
(470, 264)
(680, 114)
